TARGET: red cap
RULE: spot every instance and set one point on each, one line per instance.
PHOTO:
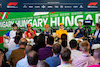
(28, 25)
(46, 25)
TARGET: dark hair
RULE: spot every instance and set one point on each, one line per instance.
(23, 43)
(42, 64)
(64, 43)
(63, 36)
(41, 40)
(50, 40)
(28, 48)
(19, 32)
(32, 58)
(73, 43)
(36, 39)
(98, 25)
(64, 40)
(17, 39)
(65, 54)
(1, 52)
(14, 25)
(56, 48)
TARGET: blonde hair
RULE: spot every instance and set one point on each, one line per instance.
(85, 46)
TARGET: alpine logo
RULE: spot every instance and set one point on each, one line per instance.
(12, 5)
(0, 5)
(93, 5)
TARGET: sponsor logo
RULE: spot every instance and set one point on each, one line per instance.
(93, 5)
(12, 5)
(0, 5)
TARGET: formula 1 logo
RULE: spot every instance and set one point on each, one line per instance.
(12, 5)
(93, 5)
(0, 5)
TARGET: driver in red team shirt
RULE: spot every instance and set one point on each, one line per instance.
(30, 34)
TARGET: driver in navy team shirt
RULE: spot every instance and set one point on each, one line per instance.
(47, 32)
(78, 33)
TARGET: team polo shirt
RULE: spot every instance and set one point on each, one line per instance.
(60, 32)
(47, 33)
(28, 33)
(79, 34)
(11, 34)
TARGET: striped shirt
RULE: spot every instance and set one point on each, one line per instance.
(83, 61)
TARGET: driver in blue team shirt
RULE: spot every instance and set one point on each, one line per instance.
(11, 34)
(78, 33)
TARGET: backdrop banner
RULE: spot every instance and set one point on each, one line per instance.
(39, 19)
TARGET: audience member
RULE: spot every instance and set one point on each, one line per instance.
(15, 42)
(65, 58)
(32, 59)
(64, 40)
(47, 51)
(23, 62)
(86, 59)
(97, 58)
(23, 40)
(2, 62)
(17, 54)
(41, 41)
(42, 64)
(35, 46)
(74, 52)
(54, 61)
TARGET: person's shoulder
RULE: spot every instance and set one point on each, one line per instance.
(59, 65)
(49, 58)
(77, 59)
(15, 50)
(57, 30)
(65, 30)
(41, 49)
(78, 51)
(69, 65)
(12, 31)
(92, 58)
(21, 61)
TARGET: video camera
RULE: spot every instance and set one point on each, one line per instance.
(87, 30)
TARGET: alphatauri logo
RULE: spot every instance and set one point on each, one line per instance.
(93, 5)
(12, 5)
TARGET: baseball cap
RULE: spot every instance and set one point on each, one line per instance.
(46, 25)
(28, 25)
(61, 24)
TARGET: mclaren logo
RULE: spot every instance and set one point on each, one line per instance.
(12, 5)
(93, 5)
